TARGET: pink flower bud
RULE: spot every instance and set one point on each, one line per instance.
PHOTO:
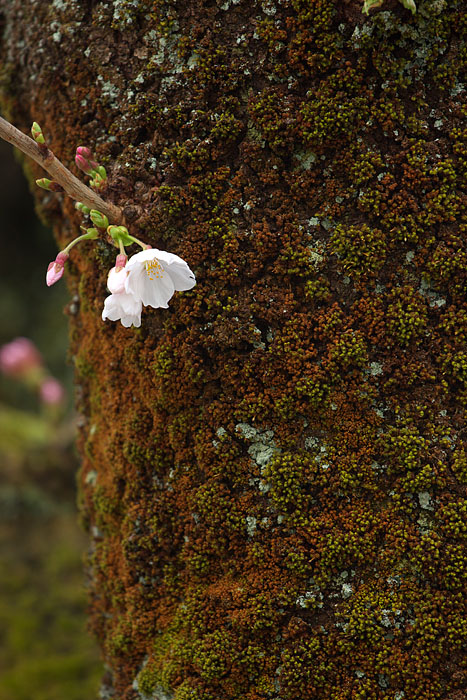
(51, 391)
(84, 151)
(55, 269)
(61, 258)
(83, 164)
(120, 261)
(84, 154)
(19, 357)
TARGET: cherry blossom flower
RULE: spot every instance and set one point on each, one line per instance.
(51, 391)
(19, 357)
(154, 275)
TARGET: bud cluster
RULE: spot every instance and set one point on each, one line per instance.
(84, 161)
(148, 278)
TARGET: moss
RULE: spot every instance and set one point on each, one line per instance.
(407, 316)
(188, 692)
(288, 475)
(460, 464)
(362, 250)
(84, 368)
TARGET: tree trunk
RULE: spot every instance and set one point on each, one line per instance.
(274, 469)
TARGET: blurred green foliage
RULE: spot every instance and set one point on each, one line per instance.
(45, 651)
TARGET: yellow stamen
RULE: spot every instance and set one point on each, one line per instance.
(153, 269)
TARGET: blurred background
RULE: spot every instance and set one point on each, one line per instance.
(45, 651)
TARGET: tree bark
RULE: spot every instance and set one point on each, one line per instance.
(274, 469)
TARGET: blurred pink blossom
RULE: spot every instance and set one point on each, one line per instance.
(51, 391)
(19, 357)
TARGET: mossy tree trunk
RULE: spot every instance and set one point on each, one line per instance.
(274, 468)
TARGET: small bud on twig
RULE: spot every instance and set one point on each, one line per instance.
(373, 4)
(98, 181)
(44, 183)
(82, 208)
(410, 5)
(83, 160)
(98, 219)
(37, 134)
(51, 391)
(90, 234)
(50, 185)
(42, 155)
(83, 164)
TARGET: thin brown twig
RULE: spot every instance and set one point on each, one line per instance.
(76, 189)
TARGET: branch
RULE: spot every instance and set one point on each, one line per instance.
(76, 189)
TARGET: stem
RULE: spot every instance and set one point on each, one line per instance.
(73, 187)
(144, 246)
(84, 237)
(122, 247)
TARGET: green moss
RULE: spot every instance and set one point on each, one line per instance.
(291, 480)
(330, 115)
(186, 691)
(314, 389)
(407, 316)
(119, 644)
(362, 250)
(213, 654)
(318, 289)
(83, 367)
(348, 352)
(365, 166)
(459, 464)
(107, 507)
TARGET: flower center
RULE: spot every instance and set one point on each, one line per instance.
(153, 269)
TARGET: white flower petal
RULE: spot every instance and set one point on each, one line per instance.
(116, 280)
(122, 307)
(129, 320)
(156, 290)
(111, 309)
(181, 275)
